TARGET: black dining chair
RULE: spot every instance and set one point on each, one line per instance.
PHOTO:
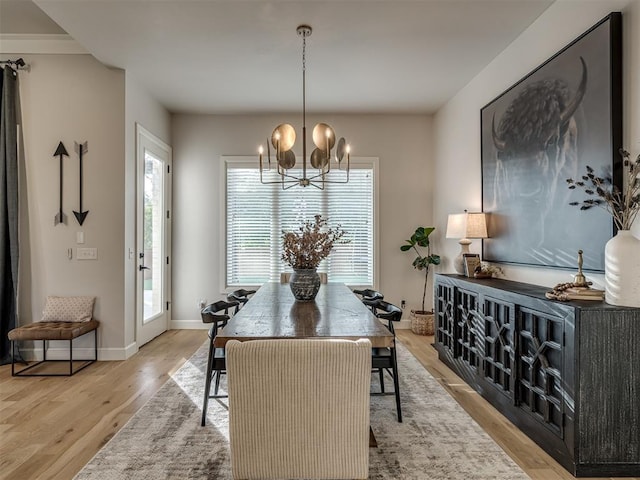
(241, 296)
(384, 359)
(216, 364)
(369, 297)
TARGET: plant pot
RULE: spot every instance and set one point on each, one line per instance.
(304, 284)
(422, 323)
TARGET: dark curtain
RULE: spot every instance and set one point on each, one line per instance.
(8, 210)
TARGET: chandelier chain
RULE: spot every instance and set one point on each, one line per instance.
(304, 92)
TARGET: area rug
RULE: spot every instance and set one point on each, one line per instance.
(437, 439)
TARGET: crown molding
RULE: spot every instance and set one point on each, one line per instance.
(11, 43)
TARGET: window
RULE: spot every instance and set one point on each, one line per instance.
(256, 215)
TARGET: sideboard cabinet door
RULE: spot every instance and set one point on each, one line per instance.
(540, 391)
(497, 324)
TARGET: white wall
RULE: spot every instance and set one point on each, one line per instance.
(73, 98)
(402, 143)
(76, 98)
(457, 124)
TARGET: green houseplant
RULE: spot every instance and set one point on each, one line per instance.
(420, 239)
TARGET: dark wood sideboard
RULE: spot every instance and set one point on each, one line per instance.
(566, 373)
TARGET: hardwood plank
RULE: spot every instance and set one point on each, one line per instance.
(51, 427)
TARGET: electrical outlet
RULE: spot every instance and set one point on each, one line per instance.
(202, 303)
(403, 304)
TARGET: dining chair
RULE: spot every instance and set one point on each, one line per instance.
(385, 359)
(241, 296)
(216, 357)
(369, 297)
(308, 418)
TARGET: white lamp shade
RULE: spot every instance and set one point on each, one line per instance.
(456, 225)
(476, 225)
(467, 225)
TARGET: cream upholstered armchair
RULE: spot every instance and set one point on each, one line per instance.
(299, 408)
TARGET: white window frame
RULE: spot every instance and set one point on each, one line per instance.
(252, 162)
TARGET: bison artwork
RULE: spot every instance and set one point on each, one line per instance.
(543, 130)
(537, 133)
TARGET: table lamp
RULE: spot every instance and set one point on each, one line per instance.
(465, 226)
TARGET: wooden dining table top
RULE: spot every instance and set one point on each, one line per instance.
(336, 313)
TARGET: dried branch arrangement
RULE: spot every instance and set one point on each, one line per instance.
(622, 205)
(311, 243)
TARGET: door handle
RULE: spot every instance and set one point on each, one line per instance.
(142, 267)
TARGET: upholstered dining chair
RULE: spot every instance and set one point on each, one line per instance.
(241, 296)
(308, 418)
(216, 357)
(369, 297)
(385, 359)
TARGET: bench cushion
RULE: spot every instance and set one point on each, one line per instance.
(52, 330)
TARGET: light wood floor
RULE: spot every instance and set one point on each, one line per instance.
(51, 427)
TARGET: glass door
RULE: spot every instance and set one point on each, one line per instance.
(153, 283)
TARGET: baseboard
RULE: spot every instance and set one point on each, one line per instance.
(188, 325)
(403, 324)
(80, 353)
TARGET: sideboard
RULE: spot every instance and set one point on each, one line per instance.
(566, 373)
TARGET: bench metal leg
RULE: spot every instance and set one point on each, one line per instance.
(88, 362)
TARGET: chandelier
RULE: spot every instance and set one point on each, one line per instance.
(324, 137)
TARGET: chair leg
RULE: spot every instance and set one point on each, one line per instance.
(381, 375)
(207, 383)
(396, 383)
(217, 385)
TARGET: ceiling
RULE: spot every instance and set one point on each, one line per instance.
(243, 56)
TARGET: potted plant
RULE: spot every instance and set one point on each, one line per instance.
(422, 320)
(304, 249)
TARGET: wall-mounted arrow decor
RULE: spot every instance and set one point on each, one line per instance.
(81, 150)
(60, 216)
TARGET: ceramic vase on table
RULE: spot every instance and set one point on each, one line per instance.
(622, 270)
(304, 284)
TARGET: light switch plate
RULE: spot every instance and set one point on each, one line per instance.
(87, 254)
(79, 237)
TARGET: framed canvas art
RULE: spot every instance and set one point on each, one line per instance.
(548, 127)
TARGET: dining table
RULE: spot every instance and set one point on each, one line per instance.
(336, 313)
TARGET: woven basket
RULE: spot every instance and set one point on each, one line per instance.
(422, 323)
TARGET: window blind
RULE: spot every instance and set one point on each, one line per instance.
(256, 215)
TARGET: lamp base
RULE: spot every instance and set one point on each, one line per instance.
(458, 262)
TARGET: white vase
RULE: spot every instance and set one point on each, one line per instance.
(622, 270)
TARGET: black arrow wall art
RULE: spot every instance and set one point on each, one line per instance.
(81, 149)
(60, 216)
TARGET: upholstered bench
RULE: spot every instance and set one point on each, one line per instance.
(64, 318)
